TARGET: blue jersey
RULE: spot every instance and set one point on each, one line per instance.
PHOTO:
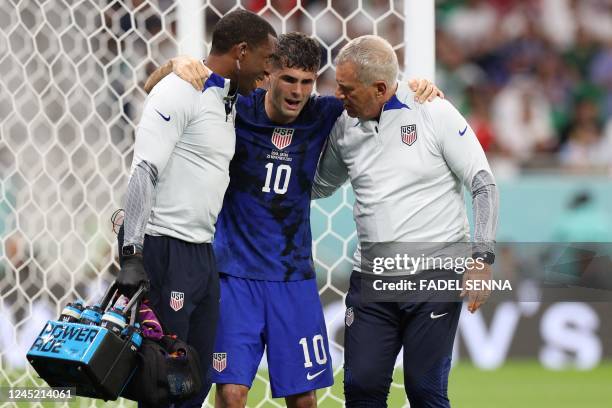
(263, 230)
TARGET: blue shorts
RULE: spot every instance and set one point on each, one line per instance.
(285, 318)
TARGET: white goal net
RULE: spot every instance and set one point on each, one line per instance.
(71, 91)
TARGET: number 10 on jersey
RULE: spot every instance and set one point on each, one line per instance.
(281, 178)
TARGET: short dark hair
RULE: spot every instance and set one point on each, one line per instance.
(297, 50)
(240, 26)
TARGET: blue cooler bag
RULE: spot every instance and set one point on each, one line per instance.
(96, 352)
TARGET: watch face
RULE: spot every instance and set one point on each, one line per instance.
(486, 257)
(128, 250)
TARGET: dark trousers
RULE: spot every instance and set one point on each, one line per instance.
(185, 295)
(375, 333)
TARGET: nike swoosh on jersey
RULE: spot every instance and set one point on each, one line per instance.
(462, 132)
(436, 316)
(310, 377)
(166, 118)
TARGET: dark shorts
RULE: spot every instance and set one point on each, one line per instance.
(375, 333)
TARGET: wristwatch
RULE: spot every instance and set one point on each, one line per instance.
(487, 257)
(129, 250)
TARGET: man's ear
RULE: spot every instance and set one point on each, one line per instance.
(242, 48)
(239, 50)
(381, 88)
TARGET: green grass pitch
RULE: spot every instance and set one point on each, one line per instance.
(517, 384)
(524, 384)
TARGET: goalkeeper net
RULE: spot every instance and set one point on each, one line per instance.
(71, 90)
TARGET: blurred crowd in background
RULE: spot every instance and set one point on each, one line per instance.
(533, 77)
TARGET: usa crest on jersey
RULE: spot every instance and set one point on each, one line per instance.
(177, 300)
(219, 361)
(281, 137)
(409, 134)
(349, 316)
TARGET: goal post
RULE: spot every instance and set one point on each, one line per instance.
(191, 28)
(419, 39)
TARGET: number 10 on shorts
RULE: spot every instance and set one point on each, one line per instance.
(319, 350)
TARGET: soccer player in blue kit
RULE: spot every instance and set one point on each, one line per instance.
(263, 242)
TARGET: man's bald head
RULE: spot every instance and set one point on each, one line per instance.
(374, 57)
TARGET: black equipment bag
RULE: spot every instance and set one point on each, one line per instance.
(168, 371)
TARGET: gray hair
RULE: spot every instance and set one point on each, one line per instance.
(374, 57)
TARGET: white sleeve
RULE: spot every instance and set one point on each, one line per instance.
(466, 159)
(331, 172)
(457, 141)
(167, 111)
